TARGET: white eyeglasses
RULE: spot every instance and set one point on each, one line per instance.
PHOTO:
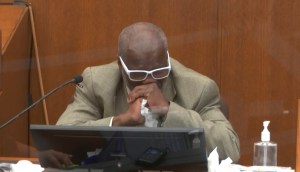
(140, 75)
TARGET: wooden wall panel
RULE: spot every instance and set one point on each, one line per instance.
(75, 34)
(298, 139)
(251, 49)
(0, 62)
(282, 76)
(260, 72)
(6, 1)
(241, 64)
(15, 77)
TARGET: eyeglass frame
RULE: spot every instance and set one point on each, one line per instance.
(128, 71)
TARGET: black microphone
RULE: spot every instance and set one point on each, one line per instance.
(75, 80)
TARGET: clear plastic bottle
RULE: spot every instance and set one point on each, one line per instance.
(265, 151)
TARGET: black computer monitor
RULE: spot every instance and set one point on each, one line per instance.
(123, 148)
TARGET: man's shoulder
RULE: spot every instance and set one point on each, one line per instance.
(185, 74)
(192, 85)
(107, 73)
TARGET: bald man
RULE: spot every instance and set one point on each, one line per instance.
(113, 94)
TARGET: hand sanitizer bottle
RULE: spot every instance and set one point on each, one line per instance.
(265, 152)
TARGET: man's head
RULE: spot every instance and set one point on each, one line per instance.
(143, 46)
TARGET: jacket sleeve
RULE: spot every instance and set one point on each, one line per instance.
(206, 114)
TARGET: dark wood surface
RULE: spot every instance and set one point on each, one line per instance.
(16, 159)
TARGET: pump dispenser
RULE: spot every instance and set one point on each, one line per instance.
(265, 134)
(265, 152)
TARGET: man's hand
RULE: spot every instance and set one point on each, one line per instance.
(54, 159)
(156, 100)
(132, 117)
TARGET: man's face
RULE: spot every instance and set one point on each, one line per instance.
(139, 64)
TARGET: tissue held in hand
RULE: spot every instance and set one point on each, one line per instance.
(150, 118)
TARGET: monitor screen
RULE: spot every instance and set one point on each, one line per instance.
(125, 148)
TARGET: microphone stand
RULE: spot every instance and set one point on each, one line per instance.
(75, 80)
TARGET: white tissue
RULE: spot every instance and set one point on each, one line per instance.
(226, 166)
(94, 153)
(213, 161)
(150, 118)
(26, 166)
(214, 166)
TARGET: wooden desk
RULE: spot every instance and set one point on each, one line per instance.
(179, 168)
(16, 159)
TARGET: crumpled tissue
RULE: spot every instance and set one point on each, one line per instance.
(214, 166)
(26, 166)
(150, 118)
(226, 166)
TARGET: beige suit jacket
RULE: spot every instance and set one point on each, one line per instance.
(194, 103)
